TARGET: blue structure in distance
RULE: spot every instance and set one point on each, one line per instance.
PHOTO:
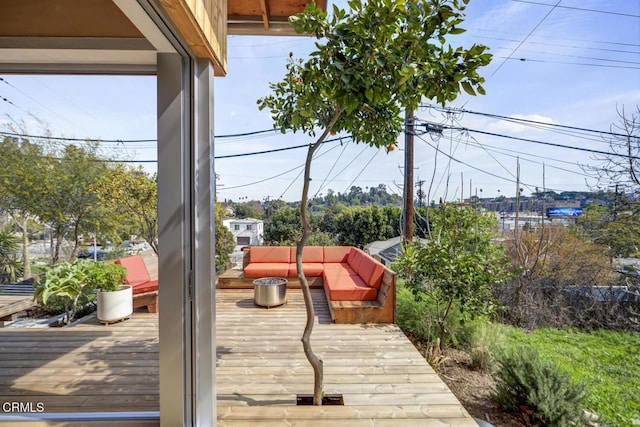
(563, 212)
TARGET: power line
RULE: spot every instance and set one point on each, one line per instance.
(2, 98)
(37, 102)
(555, 38)
(608, 12)
(620, 61)
(344, 147)
(525, 39)
(62, 138)
(275, 176)
(315, 156)
(362, 170)
(522, 155)
(479, 169)
(274, 150)
(602, 49)
(625, 67)
(515, 119)
(589, 150)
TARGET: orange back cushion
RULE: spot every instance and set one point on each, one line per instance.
(336, 253)
(370, 271)
(269, 254)
(309, 254)
(355, 258)
(136, 269)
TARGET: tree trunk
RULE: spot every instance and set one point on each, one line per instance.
(58, 244)
(315, 362)
(26, 259)
(23, 224)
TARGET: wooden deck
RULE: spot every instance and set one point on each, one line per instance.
(14, 299)
(261, 368)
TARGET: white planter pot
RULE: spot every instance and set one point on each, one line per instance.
(115, 306)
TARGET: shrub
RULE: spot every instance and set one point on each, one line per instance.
(545, 394)
(10, 266)
(486, 340)
(417, 317)
(103, 276)
(65, 287)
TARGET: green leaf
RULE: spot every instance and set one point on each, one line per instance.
(369, 94)
(467, 88)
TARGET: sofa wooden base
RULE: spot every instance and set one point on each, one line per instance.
(359, 312)
(148, 299)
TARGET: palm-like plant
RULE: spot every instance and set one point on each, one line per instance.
(10, 266)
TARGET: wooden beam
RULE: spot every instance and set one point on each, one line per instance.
(264, 5)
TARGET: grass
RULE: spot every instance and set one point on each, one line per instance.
(607, 361)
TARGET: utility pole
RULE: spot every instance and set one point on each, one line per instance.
(420, 193)
(267, 206)
(408, 176)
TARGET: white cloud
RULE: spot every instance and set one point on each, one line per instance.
(515, 127)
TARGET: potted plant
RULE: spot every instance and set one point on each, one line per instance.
(114, 298)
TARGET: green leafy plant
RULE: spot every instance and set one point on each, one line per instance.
(10, 266)
(415, 318)
(543, 393)
(456, 267)
(64, 284)
(105, 277)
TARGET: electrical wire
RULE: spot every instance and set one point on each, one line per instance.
(515, 119)
(315, 156)
(522, 59)
(552, 144)
(275, 176)
(36, 101)
(362, 170)
(524, 39)
(344, 147)
(608, 12)
(2, 98)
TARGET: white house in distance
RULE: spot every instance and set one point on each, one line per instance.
(247, 231)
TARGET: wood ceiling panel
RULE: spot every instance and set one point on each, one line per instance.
(64, 18)
(277, 8)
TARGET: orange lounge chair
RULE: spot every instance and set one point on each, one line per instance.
(145, 290)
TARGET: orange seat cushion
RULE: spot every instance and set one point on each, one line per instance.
(141, 288)
(267, 269)
(337, 254)
(311, 269)
(336, 270)
(312, 254)
(348, 288)
(270, 254)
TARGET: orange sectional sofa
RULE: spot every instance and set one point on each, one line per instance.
(350, 277)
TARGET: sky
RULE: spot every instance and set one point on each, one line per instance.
(572, 63)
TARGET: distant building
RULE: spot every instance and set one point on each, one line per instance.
(387, 251)
(247, 231)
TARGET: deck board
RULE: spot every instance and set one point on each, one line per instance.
(260, 368)
(14, 303)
